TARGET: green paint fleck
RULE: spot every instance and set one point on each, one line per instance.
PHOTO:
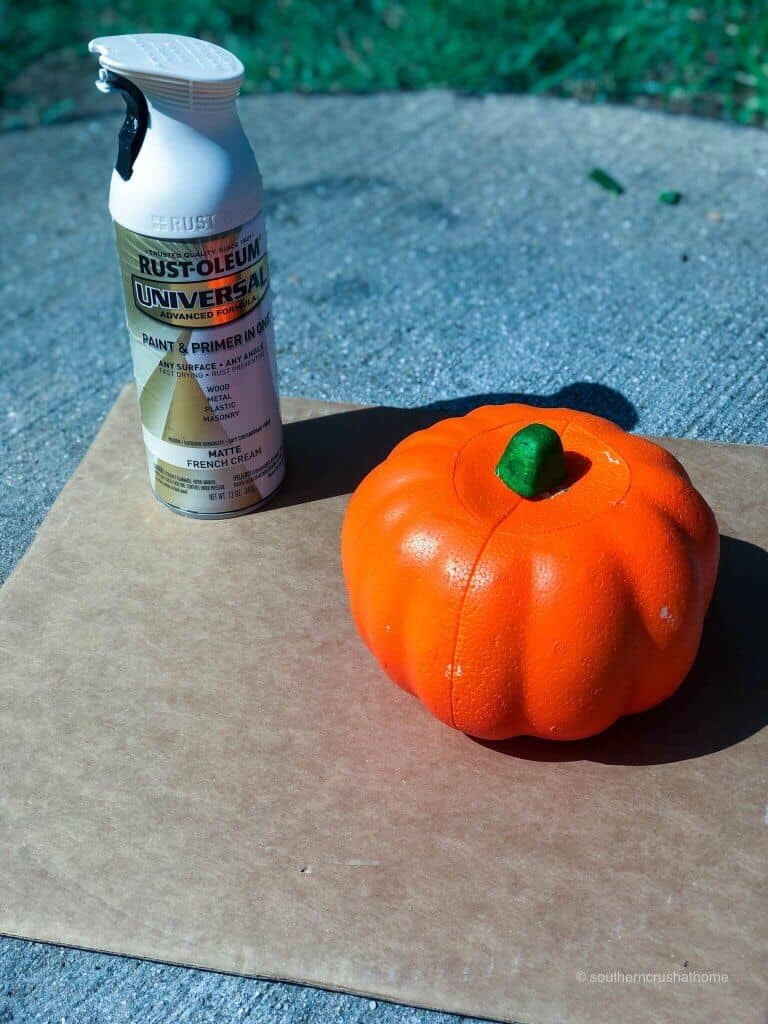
(671, 198)
(533, 461)
(606, 181)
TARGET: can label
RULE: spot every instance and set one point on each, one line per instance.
(199, 317)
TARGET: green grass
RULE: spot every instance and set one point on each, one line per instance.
(708, 58)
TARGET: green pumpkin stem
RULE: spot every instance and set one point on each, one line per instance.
(533, 461)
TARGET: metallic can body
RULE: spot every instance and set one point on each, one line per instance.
(199, 316)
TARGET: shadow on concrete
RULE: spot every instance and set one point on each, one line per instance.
(724, 699)
(330, 455)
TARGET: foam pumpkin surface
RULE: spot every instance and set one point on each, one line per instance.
(530, 571)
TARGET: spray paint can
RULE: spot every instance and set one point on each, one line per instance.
(186, 199)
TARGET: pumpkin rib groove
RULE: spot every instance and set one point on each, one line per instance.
(459, 614)
(693, 530)
(470, 578)
(610, 682)
(633, 605)
(661, 520)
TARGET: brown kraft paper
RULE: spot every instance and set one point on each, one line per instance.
(202, 764)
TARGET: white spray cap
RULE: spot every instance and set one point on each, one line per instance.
(176, 69)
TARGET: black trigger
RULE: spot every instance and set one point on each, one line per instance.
(134, 127)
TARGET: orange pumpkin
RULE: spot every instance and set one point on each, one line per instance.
(544, 585)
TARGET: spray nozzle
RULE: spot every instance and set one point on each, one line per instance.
(134, 127)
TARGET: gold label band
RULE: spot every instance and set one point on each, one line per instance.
(208, 303)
